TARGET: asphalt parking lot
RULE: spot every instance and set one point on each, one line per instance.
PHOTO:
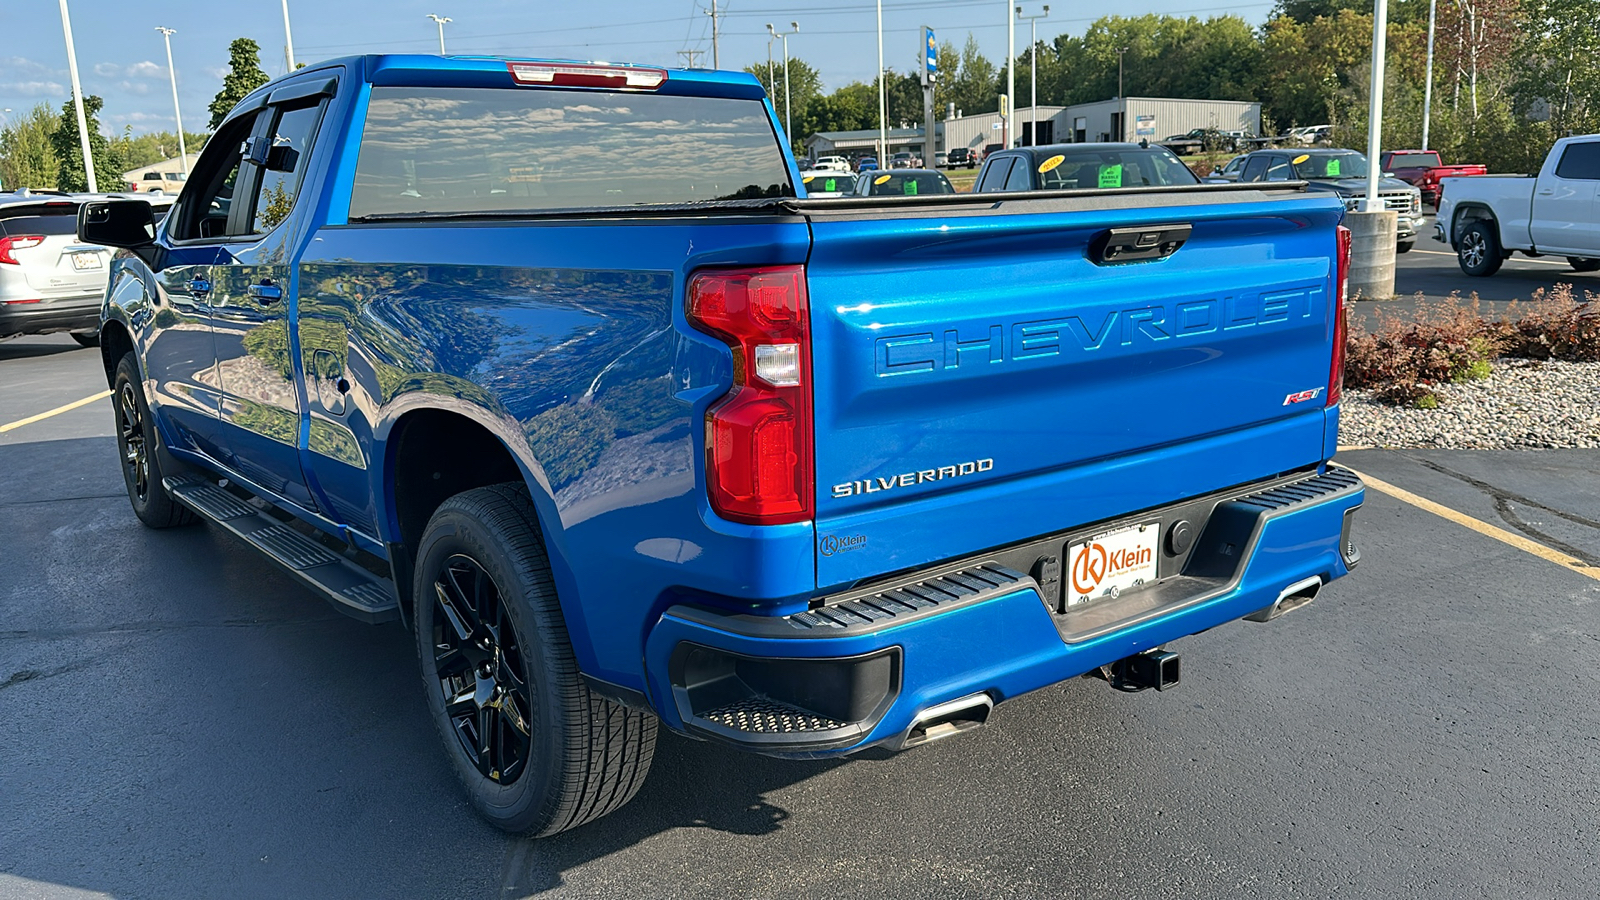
(182, 720)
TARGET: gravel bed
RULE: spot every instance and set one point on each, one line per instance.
(1524, 404)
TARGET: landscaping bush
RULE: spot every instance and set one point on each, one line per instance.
(1403, 360)
(1554, 326)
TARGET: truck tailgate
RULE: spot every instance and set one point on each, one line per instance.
(980, 380)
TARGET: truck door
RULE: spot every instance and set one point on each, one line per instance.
(1565, 209)
(257, 355)
(179, 353)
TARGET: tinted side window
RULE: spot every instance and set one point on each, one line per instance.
(288, 156)
(1019, 179)
(1254, 169)
(995, 174)
(205, 206)
(1278, 169)
(1580, 161)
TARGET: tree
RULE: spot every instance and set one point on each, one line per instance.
(244, 75)
(974, 81)
(804, 83)
(1558, 64)
(145, 149)
(68, 149)
(27, 159)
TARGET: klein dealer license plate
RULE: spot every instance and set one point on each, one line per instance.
(1108, 564)
(81, 261)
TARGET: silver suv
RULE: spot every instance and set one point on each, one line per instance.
(49, 280)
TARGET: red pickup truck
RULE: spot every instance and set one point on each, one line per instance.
(1423, 168)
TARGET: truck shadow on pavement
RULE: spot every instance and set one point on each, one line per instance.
(33, 349)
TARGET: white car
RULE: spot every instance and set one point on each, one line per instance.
(832, 163)
(1555, 213)
(824, 183)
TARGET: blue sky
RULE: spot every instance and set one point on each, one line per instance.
(121, 58)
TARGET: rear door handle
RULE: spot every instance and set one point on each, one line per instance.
(199, 286)
(265, 293)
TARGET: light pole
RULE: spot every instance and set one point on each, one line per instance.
(177, 115)
(1380, 36)
(1033, 71)
(440, 20)
(1120, 51)
(1427, 90)
(77, 101)
(288, 41)
(883, 102)
(784, 35)
(1011, 74)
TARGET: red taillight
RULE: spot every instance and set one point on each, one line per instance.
(758, 436)
(21, 302)
(1341, 292)
(616, 78)
(17, 242)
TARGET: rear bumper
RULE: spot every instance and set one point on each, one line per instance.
(51, 315)
(862, 669)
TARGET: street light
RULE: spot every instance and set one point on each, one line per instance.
(440, 20)
(883, 102)
(288, 41)
(1427, 80)
(1033, 72)
(177, 115)
(785, 36)
(1120, 51)
(1011, 75)
(77, 101)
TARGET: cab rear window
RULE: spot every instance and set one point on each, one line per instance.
(1111, 169)
(465, 150)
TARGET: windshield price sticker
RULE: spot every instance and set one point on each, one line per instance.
(1111, 176)
(1051, 163)
(1108, 564)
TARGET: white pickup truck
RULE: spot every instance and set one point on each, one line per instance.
(1555, 213)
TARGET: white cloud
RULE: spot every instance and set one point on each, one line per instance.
(33, 88)
(106, 69)
(145, 69)
(137, 88)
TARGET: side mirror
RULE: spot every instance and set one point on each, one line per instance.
(117, 223)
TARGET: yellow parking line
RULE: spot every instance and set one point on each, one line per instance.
(1484, 528)
(54, 412)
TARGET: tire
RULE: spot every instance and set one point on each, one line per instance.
(139, 447)
(556, 755)
(1579, 264)
(1478, 249)
(87, 338)
(1404, 246)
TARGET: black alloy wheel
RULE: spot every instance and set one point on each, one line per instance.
(144, 464)
(535, 749)
(130, 440)
(480, 670)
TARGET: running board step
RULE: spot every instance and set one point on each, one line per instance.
(351, 589)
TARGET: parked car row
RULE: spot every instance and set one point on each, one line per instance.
(822, 184)
(51, 282)
(1344, 172)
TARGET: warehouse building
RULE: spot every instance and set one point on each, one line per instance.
(1154, 118)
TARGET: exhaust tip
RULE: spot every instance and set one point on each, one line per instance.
(1289, 599)
(948, 719)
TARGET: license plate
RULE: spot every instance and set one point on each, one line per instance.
(1108, 564)
(81, 261)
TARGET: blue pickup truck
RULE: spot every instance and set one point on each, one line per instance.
(555, 364)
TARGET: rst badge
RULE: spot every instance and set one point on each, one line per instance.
(1302, 396)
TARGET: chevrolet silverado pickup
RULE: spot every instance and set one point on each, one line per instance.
(556, 364)
(1485, 218)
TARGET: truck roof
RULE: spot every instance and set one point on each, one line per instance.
(421, 70)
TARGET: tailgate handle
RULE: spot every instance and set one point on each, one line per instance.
(1127, 245)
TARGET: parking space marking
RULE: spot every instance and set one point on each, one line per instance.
(1483, 528)
(9, 426)
(1542, 262)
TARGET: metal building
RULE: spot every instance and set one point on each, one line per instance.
(1155, 118)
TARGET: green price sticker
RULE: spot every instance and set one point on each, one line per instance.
(1111, 176)
(910, 186)
(830, 185)
(1334, 167)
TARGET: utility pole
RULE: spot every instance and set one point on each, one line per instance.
(772, 86)
(789, 135)
(716, 58)
(177, 115)
(440, 20)
(1120, 51)
(288, 44)
(1011, 73)
(1033, 71)
(883, 102)
(1427, 89)
(1380, 38)
(690, 55)
(77, 101)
